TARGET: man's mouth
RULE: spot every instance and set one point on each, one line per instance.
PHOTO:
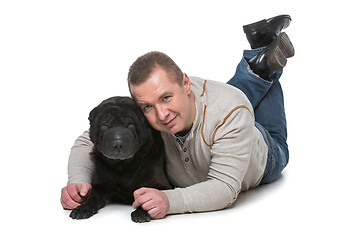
(171, 121)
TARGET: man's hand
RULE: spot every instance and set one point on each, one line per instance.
(73, 194)
(153, 201)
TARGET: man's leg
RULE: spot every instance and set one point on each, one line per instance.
(257, 75)
(266, 97)
(251, 84)
(270, 113)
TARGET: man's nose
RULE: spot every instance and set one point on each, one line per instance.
(162, 112)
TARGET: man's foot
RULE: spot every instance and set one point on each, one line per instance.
(273, 58)
(262, 33)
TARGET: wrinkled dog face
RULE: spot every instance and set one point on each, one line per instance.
(116, 128)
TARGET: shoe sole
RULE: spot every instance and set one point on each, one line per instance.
(284, 49)
(264, 23)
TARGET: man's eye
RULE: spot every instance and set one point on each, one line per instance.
(146, 108)
(166, 98)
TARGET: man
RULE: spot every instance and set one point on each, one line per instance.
(219, 140)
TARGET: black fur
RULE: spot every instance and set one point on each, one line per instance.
(128, 154)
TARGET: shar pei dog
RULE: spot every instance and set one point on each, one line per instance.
(128, 154)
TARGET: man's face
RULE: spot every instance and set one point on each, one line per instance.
(168, 106)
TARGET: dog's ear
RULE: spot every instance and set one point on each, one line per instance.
(95, 111)
(92, 114)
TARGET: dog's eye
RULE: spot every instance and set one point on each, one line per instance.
(128, 121)
(104, 126)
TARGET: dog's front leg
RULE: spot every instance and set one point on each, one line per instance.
(96, 200)
(140, 215)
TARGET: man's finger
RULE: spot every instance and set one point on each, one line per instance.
(137, 202)
(67, 202)
(154, 213)
(64, 205)
(85, 188)
(73, 193)
(68, 205)
(137, 194)
(148, 205)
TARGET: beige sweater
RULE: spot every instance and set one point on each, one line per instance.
(223, 155)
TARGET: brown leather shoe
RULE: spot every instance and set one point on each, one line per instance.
(274, 57)
(262, 33)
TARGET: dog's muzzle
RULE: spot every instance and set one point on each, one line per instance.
(118, 143)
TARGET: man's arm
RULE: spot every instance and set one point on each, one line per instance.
(80, 166)
(80, 169)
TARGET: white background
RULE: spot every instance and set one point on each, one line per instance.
(59, 59)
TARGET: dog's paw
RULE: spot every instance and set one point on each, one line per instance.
(82, 212)
(140, 216)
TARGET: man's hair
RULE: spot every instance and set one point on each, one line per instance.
(145, 65)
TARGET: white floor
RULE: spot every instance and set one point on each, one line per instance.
(60, 59)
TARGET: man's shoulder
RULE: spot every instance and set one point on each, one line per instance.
(223, 107)
(219, 97)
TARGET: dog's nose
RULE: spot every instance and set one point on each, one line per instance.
(118, 144)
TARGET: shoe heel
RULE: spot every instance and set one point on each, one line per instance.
(286, 45)
(277, 59)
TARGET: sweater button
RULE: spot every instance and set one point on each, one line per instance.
(185, 149)
(187, 159)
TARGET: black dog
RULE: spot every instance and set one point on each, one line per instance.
(128, 154)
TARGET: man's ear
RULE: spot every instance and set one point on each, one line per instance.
(186, 83)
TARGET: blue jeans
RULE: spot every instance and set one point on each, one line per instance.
(267, 99)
